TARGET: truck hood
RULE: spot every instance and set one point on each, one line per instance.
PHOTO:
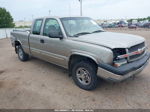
(110, 39)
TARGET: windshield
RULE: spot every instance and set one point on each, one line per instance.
(80, 25)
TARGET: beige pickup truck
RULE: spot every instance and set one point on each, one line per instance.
(80, 45)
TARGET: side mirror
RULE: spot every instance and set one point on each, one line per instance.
(55, 34)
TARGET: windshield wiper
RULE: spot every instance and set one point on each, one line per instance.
(97, 31)
(82, 33)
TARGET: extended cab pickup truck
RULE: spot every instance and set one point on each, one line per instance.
(84, 48)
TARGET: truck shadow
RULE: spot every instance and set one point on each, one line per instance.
(102, 84)
(126, 87)
(130, 93)
(49, 66)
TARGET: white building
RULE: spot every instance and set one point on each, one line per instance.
(111, 21)
(23, 23)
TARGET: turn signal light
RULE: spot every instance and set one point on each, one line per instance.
(119, 63)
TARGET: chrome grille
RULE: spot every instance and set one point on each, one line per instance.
(136, 48)
(131, 58)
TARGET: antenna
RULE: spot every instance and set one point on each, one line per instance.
(80, 7)
(32, 17)
(69, 16)
(69, 9)
(49, 12)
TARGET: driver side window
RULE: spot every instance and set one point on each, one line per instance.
(51, 25)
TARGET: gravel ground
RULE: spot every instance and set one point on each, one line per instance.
(38, 85)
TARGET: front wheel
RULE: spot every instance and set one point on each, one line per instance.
(84, 75)
(21, 54)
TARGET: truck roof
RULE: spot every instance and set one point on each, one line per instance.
(57, 17)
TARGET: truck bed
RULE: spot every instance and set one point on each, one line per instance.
(22, 36)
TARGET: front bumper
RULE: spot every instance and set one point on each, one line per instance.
(126, 71)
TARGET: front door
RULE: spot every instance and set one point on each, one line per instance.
(53, 48)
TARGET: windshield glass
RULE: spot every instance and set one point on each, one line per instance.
(80, 25)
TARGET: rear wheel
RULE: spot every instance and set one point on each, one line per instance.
(84, 75)
(21, 54)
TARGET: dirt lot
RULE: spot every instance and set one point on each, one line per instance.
(38, 84)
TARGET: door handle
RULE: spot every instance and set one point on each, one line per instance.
(42, 41)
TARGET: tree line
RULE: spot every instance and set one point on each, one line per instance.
(6, 20)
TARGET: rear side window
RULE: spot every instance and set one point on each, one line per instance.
(37, 27)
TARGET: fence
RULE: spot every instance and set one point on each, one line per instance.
(5, 32)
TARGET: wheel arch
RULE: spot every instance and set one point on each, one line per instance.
(17, 43)
(79, 57)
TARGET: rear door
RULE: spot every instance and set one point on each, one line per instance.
(36, 43)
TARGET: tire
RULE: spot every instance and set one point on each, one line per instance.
(84, 75)
(21, 54)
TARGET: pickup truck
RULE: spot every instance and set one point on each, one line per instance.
(80, 45)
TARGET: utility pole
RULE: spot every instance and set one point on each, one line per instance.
(32, 17)
(24, 22)
(49, 12)
(6, 33)
(80, 7)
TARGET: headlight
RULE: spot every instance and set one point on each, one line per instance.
(118, 52)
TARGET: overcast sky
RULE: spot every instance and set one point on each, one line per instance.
(97, 9)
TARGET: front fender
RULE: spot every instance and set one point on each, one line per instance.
(86, 54)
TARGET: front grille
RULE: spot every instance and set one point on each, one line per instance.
(135, 48)
(135, 56)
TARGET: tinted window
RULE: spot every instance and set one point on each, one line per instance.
(37, 26)
(51, 25)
